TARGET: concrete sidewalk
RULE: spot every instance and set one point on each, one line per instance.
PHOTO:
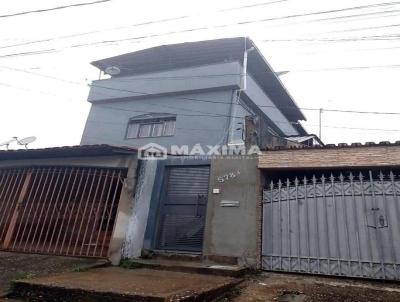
(118, 284)
(19, 266)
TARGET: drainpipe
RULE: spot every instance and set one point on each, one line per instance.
(244, 72)
(235, 100)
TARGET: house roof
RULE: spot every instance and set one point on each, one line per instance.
(65, 151)
(302, 139)
(183, 55)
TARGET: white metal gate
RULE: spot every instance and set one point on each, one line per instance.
(345, 225)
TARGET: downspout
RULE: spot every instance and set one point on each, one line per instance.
(235, 100)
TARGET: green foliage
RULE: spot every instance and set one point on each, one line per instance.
(130, 264)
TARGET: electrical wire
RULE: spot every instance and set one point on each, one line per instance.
(389, 37)
(306, 125)
(204, 27)
(53, 8)
(209, 114)
(136, 25)
(363, 28)
(197, 99)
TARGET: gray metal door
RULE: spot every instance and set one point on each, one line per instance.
(183, 208)
(337, 225)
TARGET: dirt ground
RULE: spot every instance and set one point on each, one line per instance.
(19, 266)
(271, 287)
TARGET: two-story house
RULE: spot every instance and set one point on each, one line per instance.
(190, 93)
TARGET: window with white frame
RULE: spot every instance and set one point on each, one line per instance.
(150, 126)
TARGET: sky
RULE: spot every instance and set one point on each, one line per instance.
(348, 59)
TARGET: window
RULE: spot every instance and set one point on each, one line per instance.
(151, 127)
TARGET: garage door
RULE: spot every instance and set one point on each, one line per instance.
(58, 210)
(342, 225)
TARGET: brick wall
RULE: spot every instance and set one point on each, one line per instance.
(363, 156)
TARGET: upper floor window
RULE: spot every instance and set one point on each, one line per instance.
(151, 125)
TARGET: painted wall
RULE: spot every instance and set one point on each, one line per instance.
(196, 122)
(186, 80)
(234, 231)
(203, 115)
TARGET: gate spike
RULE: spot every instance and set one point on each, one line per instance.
(351, 176)
(341, 177)
(305, 180)
(279, 183)
(314, 179)
(296, 181)
(361, 176)
(381, 176)
(332, 178)
(323, 178)
(391, 175)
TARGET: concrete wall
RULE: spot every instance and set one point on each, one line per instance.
(192, 94)
(234, 231)
(186, 80)
(139, 210)
(123, 212)
(107, 123)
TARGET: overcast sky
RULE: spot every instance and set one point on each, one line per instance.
(45, 94)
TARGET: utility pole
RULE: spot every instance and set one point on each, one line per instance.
(321, 110)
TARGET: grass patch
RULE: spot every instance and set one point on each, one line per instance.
(130, 264)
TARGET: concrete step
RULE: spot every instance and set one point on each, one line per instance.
(187, 267)
(122, 285)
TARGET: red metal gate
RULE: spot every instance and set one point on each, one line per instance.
(59, 210)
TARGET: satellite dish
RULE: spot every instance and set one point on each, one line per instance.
(26, 141)
(112, 70)
(7, 143)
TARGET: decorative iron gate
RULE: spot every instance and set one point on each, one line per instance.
(58, 210)
(337, 225)
(183, 208)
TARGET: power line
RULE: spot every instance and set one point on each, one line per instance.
(346, 68)
(355, 128)
(53, 8)
(262, 106)
(205, 129)
(137, 24)
(209, 114)
(389, 37)
(197, 99)
(359, 15)
(201, 28)
(362, 28)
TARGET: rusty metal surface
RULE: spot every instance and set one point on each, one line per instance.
(59, 210)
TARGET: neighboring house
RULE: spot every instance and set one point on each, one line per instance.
(188, 94)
